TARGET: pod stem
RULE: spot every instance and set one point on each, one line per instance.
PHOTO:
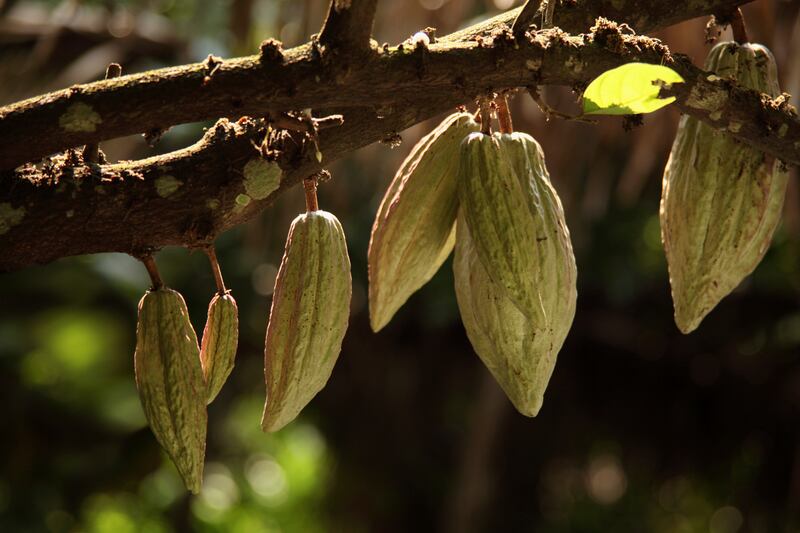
(212, 258)
(152, 269)
(504, 115)
(310, 186)
(486, 116)
(738, 28)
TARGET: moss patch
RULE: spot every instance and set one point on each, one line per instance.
(711, 101)
(242, 201)
(79, 117)
(166, 185)
(10, 217)
(261, 178)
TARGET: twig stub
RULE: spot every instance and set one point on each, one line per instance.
(91, 152)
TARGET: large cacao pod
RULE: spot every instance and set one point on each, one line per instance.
(517, 224)
(309, 316)
(170, 381)
(721, 200)
(414, 229)
(220, 339)
(518, 349)
(502, 336)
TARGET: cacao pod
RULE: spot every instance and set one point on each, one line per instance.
(518, 349)
(500, 333)
(309, 316)
(414, 229)
(517, 224)
(220, 339)
(170, 381)
(721, 200)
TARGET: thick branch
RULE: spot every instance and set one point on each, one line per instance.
(188, 197)
(184, 198)
(770, 125)
(348, 26)
(297, 79)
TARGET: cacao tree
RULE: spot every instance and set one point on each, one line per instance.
(284, 115)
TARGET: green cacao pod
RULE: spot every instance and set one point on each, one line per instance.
(414, 228)
(518, 349)
(504, 339)
(170, 381)
(309, 316)
(721, 200)
(517, 224)
(220, 339)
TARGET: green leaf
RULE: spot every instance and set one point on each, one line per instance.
(628, 89)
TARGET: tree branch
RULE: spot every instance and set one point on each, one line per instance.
(188, 197)
(280, 81)
(768, 124)
(184, 198)
(348, 27)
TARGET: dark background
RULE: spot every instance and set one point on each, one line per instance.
(643, 429)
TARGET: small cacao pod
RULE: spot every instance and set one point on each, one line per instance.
(518, 349)
(309, 316)
(170, 381)
(414, 229)
(220, 339)
(721, 200)
(517, 224)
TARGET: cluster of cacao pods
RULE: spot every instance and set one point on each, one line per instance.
(177, 378)
(721, 200)
(490, 196)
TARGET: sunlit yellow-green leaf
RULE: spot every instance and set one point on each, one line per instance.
(629, 89)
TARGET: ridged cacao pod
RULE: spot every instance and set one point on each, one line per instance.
(517, 224)
(220, 339)
(501, 335)
(309, 316)
(170, 381)
(414, 229)
(519, 349)
(721, 200)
